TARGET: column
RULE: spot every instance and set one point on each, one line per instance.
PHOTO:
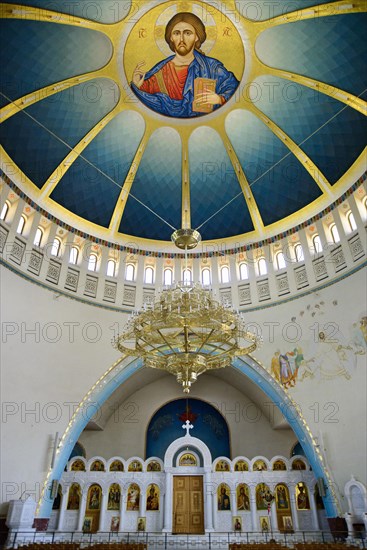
(122, 509)
(292, 492)
(349, 522)
(167, 526)
(83, 505)
(254, 520)
(63, 504)
(327, 245)
(12, 226)
(102, 514)
(307, 256)
(234, 504)
(342, 234)
(315, 518)
(36, 218)
(208, 501)
(357, 215)
(273, 516)
(215, 509)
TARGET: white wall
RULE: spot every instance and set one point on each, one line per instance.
(250, 435)
(44, 376)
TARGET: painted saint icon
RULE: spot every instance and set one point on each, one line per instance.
(188, 83)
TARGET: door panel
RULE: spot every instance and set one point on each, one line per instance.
(188, 505)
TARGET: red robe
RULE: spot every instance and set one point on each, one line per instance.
(169, 80)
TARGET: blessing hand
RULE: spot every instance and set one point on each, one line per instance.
(138, 75)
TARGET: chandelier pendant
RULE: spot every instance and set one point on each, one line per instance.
(185, 331)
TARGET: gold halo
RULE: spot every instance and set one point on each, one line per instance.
(223, 39)
(196, 9)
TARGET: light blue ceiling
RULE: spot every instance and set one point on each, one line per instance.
(36, 54)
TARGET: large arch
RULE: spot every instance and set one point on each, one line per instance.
(125, 367)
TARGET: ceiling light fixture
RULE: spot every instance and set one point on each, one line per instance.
(185, 331)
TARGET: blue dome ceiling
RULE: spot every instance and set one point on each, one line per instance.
(91, 152)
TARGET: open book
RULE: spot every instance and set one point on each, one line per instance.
(200, 86)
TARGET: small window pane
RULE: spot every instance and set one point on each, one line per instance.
(224, 274)
(187, 276)
(4, 211)
(262, 267)
(73, 258)
(130, 272)
(111, 268)
(352, 221)
(317, 244)
(21, 225)
(38, 237)
(243, 272)
(281, 261)
(205, 276)
(55, 249)
(149, 275)
(335, 233)
(92, 262)
(167, 277)
(299, 253)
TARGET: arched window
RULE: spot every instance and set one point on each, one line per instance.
(92, 262)
(187, 276)
(149, 275)
(21, 224)
(298, 251)
(280, 260)
(38, 237)
(74, 253)
(243, 271)
(334, 233)
(205, 276)
(316, 241)
(167, 277)
(55, 249)
(4, 211)
(262, 267)
(130, 272)
(224, 274)
(352, 221)
(111, 268)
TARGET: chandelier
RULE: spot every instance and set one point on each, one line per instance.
(185, 331)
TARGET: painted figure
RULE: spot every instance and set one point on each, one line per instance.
(282, 498)
(223, 499)
(94, 498)
(133, 498)
(74, 497)
(243, 501)
(303, 502)
(114, 496)
(169, 87)
(153, 498)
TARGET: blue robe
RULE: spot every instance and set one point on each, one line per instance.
(202, 66)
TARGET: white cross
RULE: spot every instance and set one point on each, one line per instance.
(187, 426)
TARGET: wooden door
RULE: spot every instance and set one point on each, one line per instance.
(188, 505)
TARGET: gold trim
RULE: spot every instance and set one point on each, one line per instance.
(126, 188)
(75, 152)
(245, 187)
(301, 156)
(186, 197)
(338, 94)
(324, 10)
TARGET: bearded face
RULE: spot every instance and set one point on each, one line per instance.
(183, 38)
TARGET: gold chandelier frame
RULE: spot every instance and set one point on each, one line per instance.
(186, 332)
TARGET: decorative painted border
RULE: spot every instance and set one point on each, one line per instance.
(128, 311)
